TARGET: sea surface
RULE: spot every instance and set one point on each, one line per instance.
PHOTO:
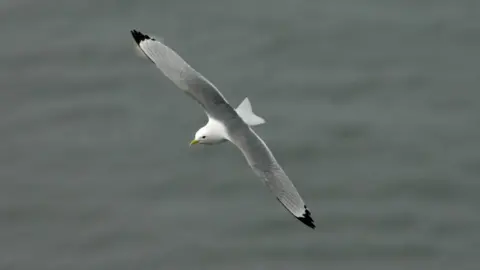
(372, 109)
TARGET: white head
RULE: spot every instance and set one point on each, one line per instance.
(211, 133)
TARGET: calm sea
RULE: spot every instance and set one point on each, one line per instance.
(372, 108)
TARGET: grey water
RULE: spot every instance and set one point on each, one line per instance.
(372, 109)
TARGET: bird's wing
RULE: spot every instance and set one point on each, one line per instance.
(185, 77)
(263, 163)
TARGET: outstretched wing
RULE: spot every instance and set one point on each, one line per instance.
(185, 77)
(263, 163)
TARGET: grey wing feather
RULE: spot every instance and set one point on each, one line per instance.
(264, 164)
(186, 78)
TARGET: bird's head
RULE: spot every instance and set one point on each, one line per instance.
(206, 135)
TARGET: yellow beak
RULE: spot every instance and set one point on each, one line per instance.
(194, 142)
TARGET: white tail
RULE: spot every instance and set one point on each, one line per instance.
(244, 110)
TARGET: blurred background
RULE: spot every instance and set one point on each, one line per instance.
(372, 108)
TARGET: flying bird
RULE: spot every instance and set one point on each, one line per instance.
(226, 123)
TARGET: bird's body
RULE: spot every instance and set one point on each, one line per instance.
(214, 131)
(226, 124)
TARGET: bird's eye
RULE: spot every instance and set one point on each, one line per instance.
(203, 137)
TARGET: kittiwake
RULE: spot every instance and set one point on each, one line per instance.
(226, 124)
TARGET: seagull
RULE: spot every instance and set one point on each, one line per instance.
(226, 124)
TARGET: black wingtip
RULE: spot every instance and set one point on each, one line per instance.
(306, 218)
(139, 36)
